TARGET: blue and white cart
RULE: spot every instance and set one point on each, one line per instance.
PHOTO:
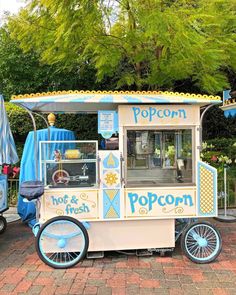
(135, 191)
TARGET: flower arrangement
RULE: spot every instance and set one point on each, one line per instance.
(217, 157)
(221, 153)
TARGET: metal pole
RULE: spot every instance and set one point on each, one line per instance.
(225, 190)
(49, 133)
(201, 121)
(45, 120)
(35, 137)
(35, 142)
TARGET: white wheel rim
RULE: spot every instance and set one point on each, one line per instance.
(64, 257)
(193, 247)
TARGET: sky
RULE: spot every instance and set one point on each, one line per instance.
(10, 5)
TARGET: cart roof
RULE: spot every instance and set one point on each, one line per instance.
(92, 101)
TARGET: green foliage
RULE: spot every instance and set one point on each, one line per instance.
(84, 126)
(22, 72)
(138, 44)
(220, 153)
(216, 125)
(225, 145)
(20, 121)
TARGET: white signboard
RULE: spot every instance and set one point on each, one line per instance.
(158, 115)
(163, 202)
(75, 203)
(107, 123)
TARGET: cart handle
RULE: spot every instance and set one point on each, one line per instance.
(98, 168)
(122, 180)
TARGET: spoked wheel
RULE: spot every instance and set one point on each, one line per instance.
(60, 177)
(201, 242)
(62, 242)
(3, 224)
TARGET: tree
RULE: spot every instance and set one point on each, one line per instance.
(146, 44)
(24, 73)
(216, 125)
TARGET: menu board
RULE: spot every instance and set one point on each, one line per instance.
(107, 123)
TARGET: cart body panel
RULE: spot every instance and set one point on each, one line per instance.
(123, 235)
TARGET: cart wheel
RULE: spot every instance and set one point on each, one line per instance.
(3, 224)
(62, 242)
(201, 242)
(60, 177)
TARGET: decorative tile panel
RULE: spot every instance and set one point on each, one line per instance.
(111, 204)
(207, 189)
(110, 169)
(110, 183)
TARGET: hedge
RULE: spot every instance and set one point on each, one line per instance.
(85, 126)
(225, 146)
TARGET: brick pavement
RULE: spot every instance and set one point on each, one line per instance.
(21, 271)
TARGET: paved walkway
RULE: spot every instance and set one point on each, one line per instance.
(21, 271)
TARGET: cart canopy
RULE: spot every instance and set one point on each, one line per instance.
(92, 101)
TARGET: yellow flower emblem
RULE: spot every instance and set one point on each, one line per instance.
(111, 178)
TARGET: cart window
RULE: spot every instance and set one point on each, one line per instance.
(159, 157)
(69, 163)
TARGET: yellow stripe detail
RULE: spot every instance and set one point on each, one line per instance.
(111, 213)
(162, 93)
(110, 160)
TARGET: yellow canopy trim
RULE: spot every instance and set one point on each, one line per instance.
(164, 93)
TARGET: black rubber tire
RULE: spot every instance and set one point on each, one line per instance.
(57, 218)
(3, 223)
(225, 220)
(186, 232)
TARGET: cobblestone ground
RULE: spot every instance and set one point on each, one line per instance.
(21, 271)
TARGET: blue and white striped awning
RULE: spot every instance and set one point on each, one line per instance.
(92, 101)
(8, 154)
(229, 104)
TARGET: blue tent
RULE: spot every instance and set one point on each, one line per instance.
(27, 210)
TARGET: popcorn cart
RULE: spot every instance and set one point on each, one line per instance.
(132, 192)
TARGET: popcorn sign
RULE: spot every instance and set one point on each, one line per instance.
(160, 202)
(77, 204)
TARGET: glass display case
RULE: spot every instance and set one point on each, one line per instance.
(68, 163)
(159, 157)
